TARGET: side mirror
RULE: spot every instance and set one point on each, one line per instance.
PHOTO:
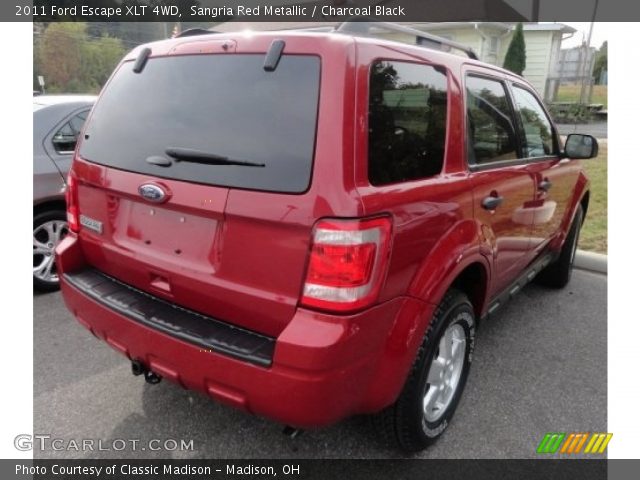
(580, 146)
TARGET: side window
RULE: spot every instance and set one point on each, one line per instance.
(77, 122)
(538, 133)
(407, 121)
(490, 131)
(494, 43)
(64, 140)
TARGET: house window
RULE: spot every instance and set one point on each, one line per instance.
(494, 44)
(425, 42)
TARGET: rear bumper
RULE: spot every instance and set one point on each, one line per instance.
(323, 369)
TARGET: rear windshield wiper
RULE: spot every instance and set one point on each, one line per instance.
(196, 156)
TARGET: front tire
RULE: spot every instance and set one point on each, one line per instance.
(436, 381)
(49, 228)
(558, 274)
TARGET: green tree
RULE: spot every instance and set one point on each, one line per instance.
(99, 58)
(73, 61)
(59, 53)
(600, 64)
(516, 58)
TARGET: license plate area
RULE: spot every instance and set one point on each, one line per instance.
(165, 232)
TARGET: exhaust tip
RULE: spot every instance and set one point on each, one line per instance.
(138, 368)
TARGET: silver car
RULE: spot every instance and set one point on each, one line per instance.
(57, 122)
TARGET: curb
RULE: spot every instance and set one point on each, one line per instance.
(593, 262)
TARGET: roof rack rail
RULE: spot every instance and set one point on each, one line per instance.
(364, 28)
(191, 32)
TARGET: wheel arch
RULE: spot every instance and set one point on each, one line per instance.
(580, 198)
(49, 205)
(473, 281)
(452, 264)
(458, 260)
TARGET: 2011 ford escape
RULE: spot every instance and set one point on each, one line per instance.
(308, 226)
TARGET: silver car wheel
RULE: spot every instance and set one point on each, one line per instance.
(45, 239)
(444, 373)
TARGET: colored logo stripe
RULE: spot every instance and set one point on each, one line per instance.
(550, 443)
(598, 443)
(572, 443)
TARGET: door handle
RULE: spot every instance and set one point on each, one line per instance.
(544, 185)
(492, 202)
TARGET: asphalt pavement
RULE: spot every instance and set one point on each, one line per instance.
(540, 365)
(596, 129)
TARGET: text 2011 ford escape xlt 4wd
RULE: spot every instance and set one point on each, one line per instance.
(308, 226)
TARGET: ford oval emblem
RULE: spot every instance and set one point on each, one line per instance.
(152, 192)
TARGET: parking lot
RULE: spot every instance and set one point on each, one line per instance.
(540, 365)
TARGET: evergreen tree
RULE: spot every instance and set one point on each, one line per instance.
(516, 58)
(600, 63)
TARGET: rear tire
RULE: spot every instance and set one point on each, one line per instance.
(426, 404)
(558, 274)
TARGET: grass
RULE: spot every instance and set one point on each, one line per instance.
(571, 93)
(593, 236)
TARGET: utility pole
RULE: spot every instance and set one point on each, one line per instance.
(586, 61)
(535, 11)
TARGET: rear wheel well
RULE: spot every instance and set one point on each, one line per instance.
(472, 281)
(49, 206)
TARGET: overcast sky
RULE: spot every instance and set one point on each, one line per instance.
(601, 32)
(558, 9)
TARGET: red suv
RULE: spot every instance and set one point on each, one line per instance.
(308, 226)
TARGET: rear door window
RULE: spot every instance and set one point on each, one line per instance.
(491, 134)
(407, 121)
(220, 106)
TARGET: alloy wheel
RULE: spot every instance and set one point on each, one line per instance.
(445, 372)
(46, 237)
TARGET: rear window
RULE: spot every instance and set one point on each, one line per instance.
(407, 121)
(225, 106)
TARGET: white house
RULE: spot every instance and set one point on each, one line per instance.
(489, 40)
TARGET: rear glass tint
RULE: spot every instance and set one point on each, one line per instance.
(223, 105)
(407, 121)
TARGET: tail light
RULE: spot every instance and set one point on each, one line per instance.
(347, 264)
(71, 197)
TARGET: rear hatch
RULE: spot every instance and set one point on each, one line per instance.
(223, 150)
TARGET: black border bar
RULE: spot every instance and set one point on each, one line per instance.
(321, 469)
(318, 10)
